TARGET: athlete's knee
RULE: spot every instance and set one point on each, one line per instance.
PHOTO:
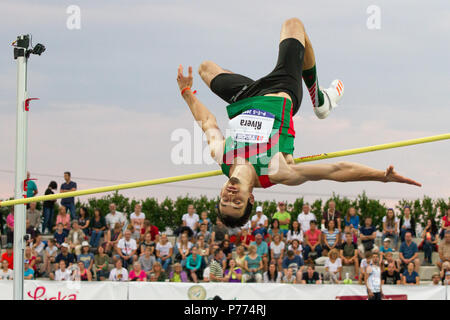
(205, 66)
(294, 23)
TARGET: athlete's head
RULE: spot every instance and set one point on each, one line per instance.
(236, 203)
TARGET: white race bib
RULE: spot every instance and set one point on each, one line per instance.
(252, 126)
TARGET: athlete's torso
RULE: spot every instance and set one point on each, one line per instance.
(261, 132)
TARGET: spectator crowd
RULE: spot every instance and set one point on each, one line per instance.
(118, 246)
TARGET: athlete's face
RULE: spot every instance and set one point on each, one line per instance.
(234, 197)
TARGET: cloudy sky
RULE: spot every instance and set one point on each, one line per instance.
(110, 102)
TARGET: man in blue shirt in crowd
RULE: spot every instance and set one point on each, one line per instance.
(262, 249)
(69, 203)
(295, 262)
(409, 253)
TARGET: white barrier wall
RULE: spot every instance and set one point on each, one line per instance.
(105, 290)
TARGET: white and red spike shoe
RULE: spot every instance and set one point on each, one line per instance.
(332, 96)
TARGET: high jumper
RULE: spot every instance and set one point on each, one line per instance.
(257, 151)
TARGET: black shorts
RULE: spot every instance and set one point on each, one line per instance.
(286, 77)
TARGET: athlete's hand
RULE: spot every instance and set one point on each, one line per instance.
(392, 176)
(183, 81)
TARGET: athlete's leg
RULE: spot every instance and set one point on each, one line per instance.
(222, 82)
(293, 28)
(208, 70)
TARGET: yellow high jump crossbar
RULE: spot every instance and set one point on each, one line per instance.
(206, 174)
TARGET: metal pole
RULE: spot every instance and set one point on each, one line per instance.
(20, 54)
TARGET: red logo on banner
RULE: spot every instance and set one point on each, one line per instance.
(39, 294)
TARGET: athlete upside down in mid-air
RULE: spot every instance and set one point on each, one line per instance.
(257, 152)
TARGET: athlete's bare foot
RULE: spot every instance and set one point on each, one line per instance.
(392, 176)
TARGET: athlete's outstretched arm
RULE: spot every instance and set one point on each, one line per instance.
(206, 120)
(343, 172)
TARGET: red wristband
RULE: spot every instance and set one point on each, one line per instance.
(187, 88)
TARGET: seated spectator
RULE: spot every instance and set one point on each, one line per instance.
(112, 238)
(261, 221)
(227, 248)
(137, 274)
(205, 220)
(277, 250)
(367, 235)
(311, 276)
(295, 232)
(32, 231)
(5, 272)
(8, 255)
(330, 237)
(435, 279)
(262, 249)
(60, 235)
(289, 276)
(333, 267)
(62, 274)
(305, 217)
(65, 255)
(164, 251)
(407, 223)
(38, 250)
(28, 255)
(296, 247)
(274, 230)
(312, 241)
(293, 262)
(444, 250)
(219, 232)
(390, 227)
(114, 217)
(386, 247)
(409, 252)
(182, 249)
(215, 267)
(134, 235)
(349, 253)
(194, 265)
(75, 238)
(202, 249)
(389, 258)
(10, 226)
(253, 266)
(86, 256)
(97, 227)
(83, 220)
(147, 260)
(363, 266)
(178, 274)
(429, 241)
(190, 219)
(34, 215)
(351, 220)
(101, 264)
(149, 228)
(284, 219)
(64, 218)
(137, 219)
(272, 275)
(246, 238)
(233, 273)
(119, 273)
(410, 276)
(445, 273)
(147, 242)
(126, 250)
(84, 273)
(223, 260)
(240, 256)
(204, 232)
(331, 214)
(348, 229)
(158, 274)
(390, 276)
(445, 223)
